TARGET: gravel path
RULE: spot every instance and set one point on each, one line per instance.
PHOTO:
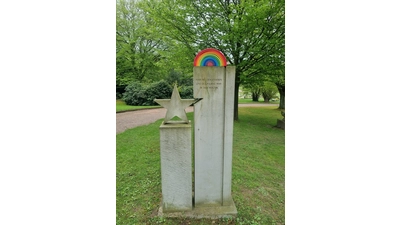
(131, 119)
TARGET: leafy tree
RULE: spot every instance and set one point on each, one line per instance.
(249, 33)
(255, 94)
(268, 91)
(136, 45)
(179, 78)
(277, 76)
(254, 89)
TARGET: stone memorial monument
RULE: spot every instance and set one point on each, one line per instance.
(176, 154)
(213, 83)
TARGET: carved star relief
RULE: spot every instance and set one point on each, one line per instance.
(175, 106)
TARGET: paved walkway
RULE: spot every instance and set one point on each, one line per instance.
(131, 119)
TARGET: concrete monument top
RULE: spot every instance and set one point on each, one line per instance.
(176, 107)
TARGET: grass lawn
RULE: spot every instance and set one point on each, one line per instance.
(122, 106)
(258, 172)
(249, 100)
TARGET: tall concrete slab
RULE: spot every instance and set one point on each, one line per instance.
(213, 131)
(228, 135)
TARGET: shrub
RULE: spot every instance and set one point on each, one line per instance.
(134, 94)
(186, 92)
(137, 94)
(160, 90)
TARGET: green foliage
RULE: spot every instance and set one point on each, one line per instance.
(249, 33)
(137, 94)
(178, 77)
(137, 46)
(186, 92)
(124, 70)
(268, 91)
(160, 90)
(254, 89)
(134, 94)
(121, 106)
(154, 37)
(185, 83)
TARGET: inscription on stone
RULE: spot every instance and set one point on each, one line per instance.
(209, 83)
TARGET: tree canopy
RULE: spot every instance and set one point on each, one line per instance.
(250, 33)
(137, 45)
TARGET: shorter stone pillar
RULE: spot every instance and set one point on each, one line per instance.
(176, 166)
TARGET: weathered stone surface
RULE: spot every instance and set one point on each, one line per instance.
(176, 166)
(175, 106)
(209, 134)
(213, 131)
(203, 212)
(228, 135)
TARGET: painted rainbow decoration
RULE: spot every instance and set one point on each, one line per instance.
(209, 57)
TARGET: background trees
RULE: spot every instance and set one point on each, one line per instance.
(266, 89)
(249, 33)
(137, 46)
(154, 37)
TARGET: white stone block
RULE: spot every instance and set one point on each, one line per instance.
(176, 166)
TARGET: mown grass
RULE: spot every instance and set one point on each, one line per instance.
(258, 172)
(249, 100)
(122, 106)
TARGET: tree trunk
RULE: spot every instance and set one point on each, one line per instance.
(255, 96)
(265, 96)
(281, 90)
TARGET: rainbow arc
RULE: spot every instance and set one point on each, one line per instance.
(209, 57)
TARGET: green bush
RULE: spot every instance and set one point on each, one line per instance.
(179, 78)
(160, 90)
(186, 92)
(134, 94)
(139, 95)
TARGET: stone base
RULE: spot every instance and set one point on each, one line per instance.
(211, 212)
(280, 124)
(176, 166)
